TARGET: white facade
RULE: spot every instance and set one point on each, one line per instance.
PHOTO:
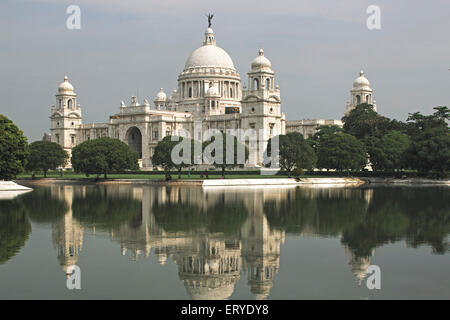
(209, 92)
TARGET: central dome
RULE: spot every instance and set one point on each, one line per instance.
(209, 55)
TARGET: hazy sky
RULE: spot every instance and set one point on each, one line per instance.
(316, 48)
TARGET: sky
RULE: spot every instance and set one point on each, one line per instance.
(317, 47)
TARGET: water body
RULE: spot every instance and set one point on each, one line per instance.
(155, 242)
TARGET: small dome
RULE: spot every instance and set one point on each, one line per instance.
(65, 86)
(261, 62)
(361, 81)
(161, 96)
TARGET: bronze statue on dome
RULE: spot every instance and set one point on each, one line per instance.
(210, 16)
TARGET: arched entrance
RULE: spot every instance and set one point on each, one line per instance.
(134, 140)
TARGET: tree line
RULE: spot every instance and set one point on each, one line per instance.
(422, 143)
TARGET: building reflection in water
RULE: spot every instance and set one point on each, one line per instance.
(210, 257)
(67, 232)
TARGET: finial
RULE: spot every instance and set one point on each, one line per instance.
(361, 72)
(66, 78)
(261, 52)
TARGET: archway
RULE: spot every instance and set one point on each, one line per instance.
(134, 140)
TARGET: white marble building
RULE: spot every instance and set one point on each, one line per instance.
(209, 92)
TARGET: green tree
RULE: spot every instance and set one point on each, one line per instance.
(13, 149)
(103, 156)
(294, 152)
(430, 147)
(341, 151)
(364, 123)
(45, 155)
(389, 153)
(162, 157)
(221, 161)
(322, 131)
(307, 157)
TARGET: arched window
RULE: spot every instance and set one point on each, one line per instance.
(268, 83)
(367, 99)
(69, 103)
(60, 103)
(256, 84)
(358, 99)
(231, 92)
(190, 92)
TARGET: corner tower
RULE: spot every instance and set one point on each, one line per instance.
(65, 118)
(261, 103)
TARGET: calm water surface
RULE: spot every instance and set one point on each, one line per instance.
(147, 242)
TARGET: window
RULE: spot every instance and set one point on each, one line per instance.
(253, 109)
(271, 125)
(57, 138)
(358, 99)
(155, 135)
(190, 92)
(231, 92)
(168, 132)
(72, 139)
(268, 83)
(69, 103)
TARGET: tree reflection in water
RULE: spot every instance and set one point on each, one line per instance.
(14, 228)
(215, 235)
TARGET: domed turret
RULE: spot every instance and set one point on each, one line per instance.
(261, 62)
(160, 100)
(161, 96)
(65, 87)
(360, 93)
